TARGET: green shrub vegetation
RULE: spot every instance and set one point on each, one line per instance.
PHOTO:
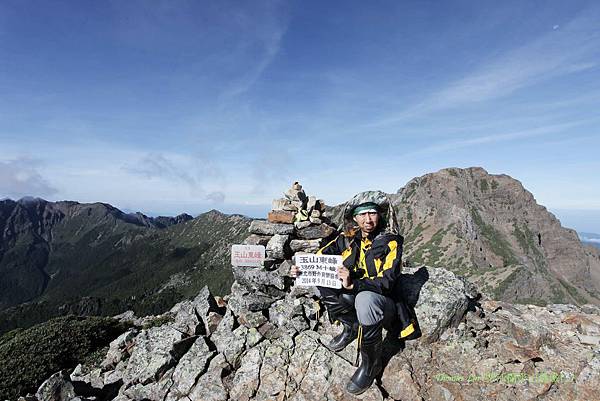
(412, 188)
(113, 279)
(483, 184)
(431, 252)
(526, 240)
(158, 321)
(573, 292)
(504, 284)
(28, 357)
(413, 234)
(496, 241)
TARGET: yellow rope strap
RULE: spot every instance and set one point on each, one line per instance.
(358, 343)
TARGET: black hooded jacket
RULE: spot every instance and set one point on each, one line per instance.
(375, 262)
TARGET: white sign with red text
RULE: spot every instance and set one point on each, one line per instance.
(247, 255)
(318, 270)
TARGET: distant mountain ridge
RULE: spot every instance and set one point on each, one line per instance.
(68, 257)
(61, 257)
(33, 229)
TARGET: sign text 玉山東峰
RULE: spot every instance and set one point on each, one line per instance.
(318, 270)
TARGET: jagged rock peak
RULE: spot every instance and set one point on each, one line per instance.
(491, 229)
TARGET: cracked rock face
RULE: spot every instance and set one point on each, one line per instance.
(495, 350)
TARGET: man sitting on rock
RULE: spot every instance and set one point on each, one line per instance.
(371, 249)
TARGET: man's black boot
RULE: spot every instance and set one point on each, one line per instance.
(348, 334)
(370, 364)
(341, 308)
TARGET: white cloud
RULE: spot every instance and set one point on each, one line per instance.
(20, 177)
(259, 44)
(216, 197)
(156, 165)
(502, 137)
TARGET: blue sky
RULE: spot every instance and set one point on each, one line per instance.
(173, 106)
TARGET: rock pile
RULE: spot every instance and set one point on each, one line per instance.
(296, 224)
(264, 341)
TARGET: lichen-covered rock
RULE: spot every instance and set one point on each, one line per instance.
(316, 231)
(246, 378)
(241, 298)
(398, 381)
(316, 373)
(288, 313)
(210, 386)
(262, 227)
(151, 355)
(190, 316)
(254, 239)
(273, 372)
(309, 245)
(439, 297)
(278, 246)
(93, 379)
(230, 341)
(259, 279)
(153, 391)
(251, 319)
(189, 368)
(118, 349)
(56, 388)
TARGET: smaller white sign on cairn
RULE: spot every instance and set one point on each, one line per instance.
(247, 255)
(318, 270)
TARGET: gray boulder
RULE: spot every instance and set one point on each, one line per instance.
(262, 227)
(151, 355)
(246, 380)
(118, 349)
(230, 340)
(278, 248)
(56, 388)
(439, 297)
(153, 391)
(189, 368)
(210, 386)
(315, 232)
(255, 239)
(256, 278)
(308, 245)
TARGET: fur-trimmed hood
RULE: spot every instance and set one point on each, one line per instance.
(388, 222)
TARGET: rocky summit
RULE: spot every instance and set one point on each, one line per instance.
(265, 340)
(490, 229)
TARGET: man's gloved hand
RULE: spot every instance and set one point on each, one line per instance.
(294, 271)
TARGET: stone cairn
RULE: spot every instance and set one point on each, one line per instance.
(297, 223)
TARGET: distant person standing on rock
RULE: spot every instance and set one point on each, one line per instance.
(371, 250)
